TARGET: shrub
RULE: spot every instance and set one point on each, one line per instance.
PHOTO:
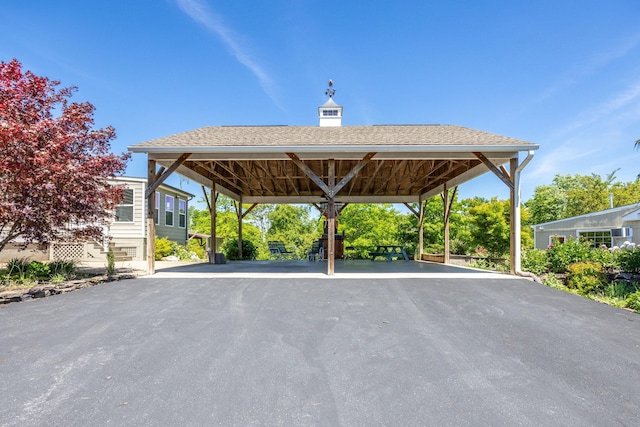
(459, 247)
(586, 277)
(629, 260)
(194, 246)
(18, 267)
(111, 262)
(604, 256)
(433, 248)
(633, 301)
(62, 268)
(562, 255)
(38, 270)
(617, 290)
(535, 261)
(230, 249)
(553, 281)
(164, 248)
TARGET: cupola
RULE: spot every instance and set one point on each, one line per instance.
(330, 113)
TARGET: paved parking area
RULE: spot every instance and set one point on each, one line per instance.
(342, 351)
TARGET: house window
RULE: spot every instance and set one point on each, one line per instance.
(330, 113)
(168, 210)
(182, 213)
(124, 211)
(157, 208)
(597, 237)
(556, 238)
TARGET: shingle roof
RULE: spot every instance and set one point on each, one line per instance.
(405, 161)
(264, 137)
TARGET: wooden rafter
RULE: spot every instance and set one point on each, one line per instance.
(248, 170)
(432, 181)
(227, 166)
(269, 175)
(209, 168)
(290, 180)
(398, 164)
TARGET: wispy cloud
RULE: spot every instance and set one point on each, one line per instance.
(199, 12)
(597, 61)
(622, 100)
(595, 141)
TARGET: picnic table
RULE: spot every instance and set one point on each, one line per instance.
(389, 252)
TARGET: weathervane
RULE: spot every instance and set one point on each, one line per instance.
(330, 90)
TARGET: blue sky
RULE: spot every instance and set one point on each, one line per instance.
(562, 74)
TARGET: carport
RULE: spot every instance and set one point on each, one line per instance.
(334, 165)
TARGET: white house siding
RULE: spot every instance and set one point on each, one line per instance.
(135, 229)
(603, 220)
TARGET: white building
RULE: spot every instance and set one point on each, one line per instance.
(611, 227)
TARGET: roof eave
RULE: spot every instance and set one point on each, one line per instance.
(332, 149)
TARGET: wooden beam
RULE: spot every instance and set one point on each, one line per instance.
(396, 167)
(165, 175)
(493, 168)
(504, 171)
(307, 170)
(159, 173)
(415, 212)
(252, 207)
(209, 167)
(353, 172)
(270, 176)
(331, 232)
(151, 218)
(214, 229)
(423, 207)
(238, 206)
(448, 202)
(372, 177)
(206, 196)
(452, 167)
(231, 172)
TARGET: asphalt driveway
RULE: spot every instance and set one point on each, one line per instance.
(319, 351)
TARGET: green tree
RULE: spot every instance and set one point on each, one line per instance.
(548, 204)
(572, 195)
(433, 227)
(293, 225)
(367, 225)
(227, 225)
(489, 226)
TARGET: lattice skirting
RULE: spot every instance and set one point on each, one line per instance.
(67, 251)
(131, 251)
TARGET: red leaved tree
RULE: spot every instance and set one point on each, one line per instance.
(53, 165)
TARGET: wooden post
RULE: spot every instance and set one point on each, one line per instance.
(420, 228)
(214, 231)
(331, 232)
(239, 212)
(445, 201)
(151, 218)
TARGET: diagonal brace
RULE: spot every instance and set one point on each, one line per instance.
(493, 168)
(166, 174)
